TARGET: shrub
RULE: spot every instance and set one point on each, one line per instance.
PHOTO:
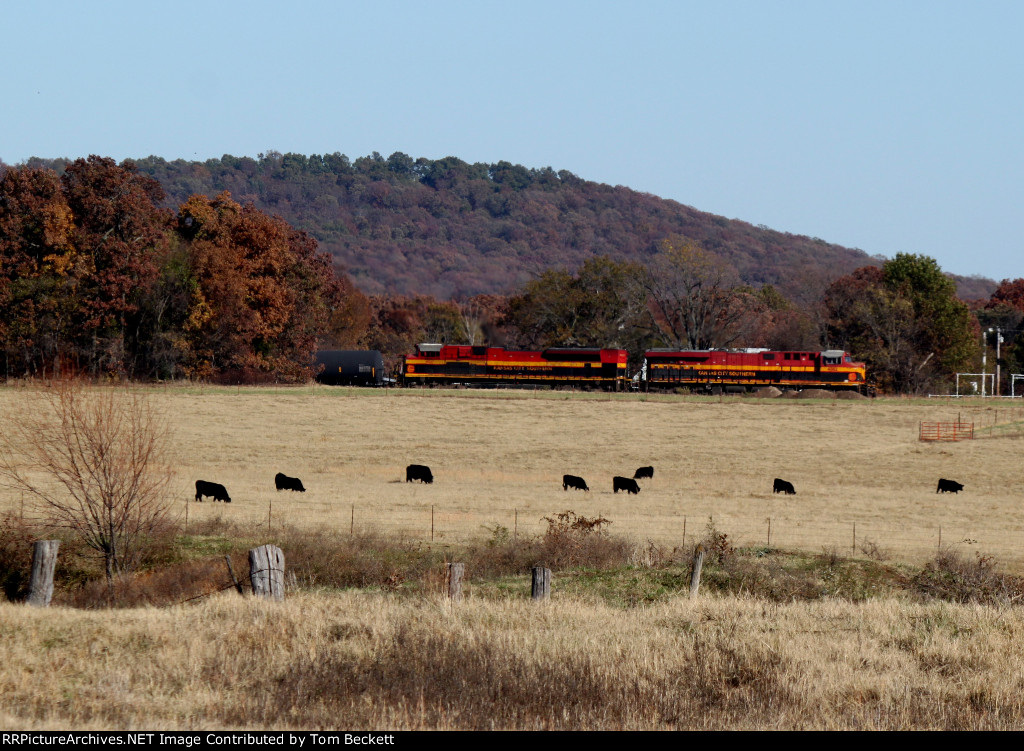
(951, 577)
(716, 543)
(572, 540)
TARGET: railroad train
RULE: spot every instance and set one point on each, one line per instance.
(713, 371)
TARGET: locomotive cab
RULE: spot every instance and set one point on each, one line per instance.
(834, 357)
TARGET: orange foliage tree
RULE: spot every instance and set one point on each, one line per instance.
(262, 294)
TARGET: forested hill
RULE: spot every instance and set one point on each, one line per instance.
(452, 229)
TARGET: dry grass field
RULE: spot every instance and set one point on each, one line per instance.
(362, 658)
(860, 472)
(355, 660)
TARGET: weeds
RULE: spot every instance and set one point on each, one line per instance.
(717, 544)
(874, 551)
(956, 579)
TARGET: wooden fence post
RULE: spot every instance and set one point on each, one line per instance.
(44, 560)
(698, 564)
(266, 571)
(453, 577)
(541, 588)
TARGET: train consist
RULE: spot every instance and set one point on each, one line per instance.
(448, 364)
(719, 370)
(713, 371)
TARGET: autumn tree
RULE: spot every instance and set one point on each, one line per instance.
(904, 320)
(79, 254)
(262, 294)
(485, 319)
(1005, 311)
(695, 297)
(351, 318)
(39, 271)
(779, 324)
(121, 231)
(443, 322)
(604, 305)
(396, 325)
(1010, 292)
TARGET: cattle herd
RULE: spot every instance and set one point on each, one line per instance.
(422, 473)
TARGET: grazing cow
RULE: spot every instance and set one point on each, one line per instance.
(574, 482)
(418, 472)
(625, 483)
(643, 472)
(213, 489)
(781, 486)
(284, 482)
(949, 486)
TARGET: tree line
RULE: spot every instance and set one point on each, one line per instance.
(98, 276)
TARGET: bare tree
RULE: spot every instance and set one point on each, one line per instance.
(694, 297)
(95, 461)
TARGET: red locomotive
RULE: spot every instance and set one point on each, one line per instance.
(719, 370)
(453, 363)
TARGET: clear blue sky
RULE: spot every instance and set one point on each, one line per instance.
(887, 126)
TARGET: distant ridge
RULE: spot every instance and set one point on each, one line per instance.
(448, 228)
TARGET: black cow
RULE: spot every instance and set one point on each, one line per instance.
(418, 472)
(643, 472)
(949, 486)
(213, 489)
(574, 482)
(284, 482)
(625, 483)
(781, 486)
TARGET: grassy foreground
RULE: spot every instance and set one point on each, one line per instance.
(350, 660)
(776, 640)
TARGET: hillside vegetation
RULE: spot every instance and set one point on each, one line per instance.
(451, 229)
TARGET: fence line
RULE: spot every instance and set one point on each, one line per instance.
(856, 537)
(686, 527)
(912, 542)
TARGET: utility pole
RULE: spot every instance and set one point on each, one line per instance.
(984, 359)
(999, 340)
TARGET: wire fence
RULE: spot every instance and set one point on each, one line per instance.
(903, 542)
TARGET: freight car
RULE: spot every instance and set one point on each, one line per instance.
(481, 366)
(719, 370)
(344, 367)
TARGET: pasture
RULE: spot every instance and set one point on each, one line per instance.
(359, 658)
(861, 474)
